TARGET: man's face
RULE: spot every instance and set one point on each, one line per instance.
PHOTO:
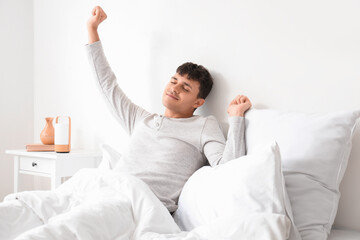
(180, 95)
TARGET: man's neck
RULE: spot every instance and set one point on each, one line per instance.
(172, 114)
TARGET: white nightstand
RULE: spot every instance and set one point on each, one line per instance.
(51, 164)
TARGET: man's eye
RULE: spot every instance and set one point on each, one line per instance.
(186, 90)
(172, 82)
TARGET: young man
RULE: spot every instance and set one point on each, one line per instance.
(165, 150)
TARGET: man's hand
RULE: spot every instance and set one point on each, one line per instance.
(239, 105)
(98, 16)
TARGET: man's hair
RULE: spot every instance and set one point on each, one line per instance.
(197, 73)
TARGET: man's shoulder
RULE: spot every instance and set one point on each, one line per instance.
(211, 122)
(211, 119)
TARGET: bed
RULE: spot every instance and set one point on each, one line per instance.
(300, 157)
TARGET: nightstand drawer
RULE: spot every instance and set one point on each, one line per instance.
(35, 164)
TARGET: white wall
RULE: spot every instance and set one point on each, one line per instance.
(301, 56)
(16, 87)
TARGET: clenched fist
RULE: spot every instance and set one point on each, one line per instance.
(239, 105)
(98, 16)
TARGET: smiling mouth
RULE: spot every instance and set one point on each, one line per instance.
(172, 96)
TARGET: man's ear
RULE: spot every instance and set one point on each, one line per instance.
(199, 102)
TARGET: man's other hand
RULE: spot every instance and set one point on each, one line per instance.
(239, 105)
(98, 16)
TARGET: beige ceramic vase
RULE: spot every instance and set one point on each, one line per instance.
(47, 134)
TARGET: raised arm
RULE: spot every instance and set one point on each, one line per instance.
(126, 112)
(215, 148)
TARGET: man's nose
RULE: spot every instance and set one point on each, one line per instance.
(175, 88)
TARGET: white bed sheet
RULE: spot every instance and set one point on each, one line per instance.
(337, 234)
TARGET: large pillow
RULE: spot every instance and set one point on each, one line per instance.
(239, 192)
(315, 149)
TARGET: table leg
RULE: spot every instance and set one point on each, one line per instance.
(16, 174)
(55, 181)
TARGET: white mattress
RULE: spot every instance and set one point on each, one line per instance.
(337, 234)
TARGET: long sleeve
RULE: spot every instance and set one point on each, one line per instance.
(215, 148)
(126, 112)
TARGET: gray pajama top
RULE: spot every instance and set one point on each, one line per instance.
(164, 152)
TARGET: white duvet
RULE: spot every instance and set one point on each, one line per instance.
(104, 204)
(242, 199)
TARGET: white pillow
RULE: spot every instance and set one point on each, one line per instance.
(315, 149)
(245, 186)
(110, 157)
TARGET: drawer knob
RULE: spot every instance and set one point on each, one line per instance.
(34, 164)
